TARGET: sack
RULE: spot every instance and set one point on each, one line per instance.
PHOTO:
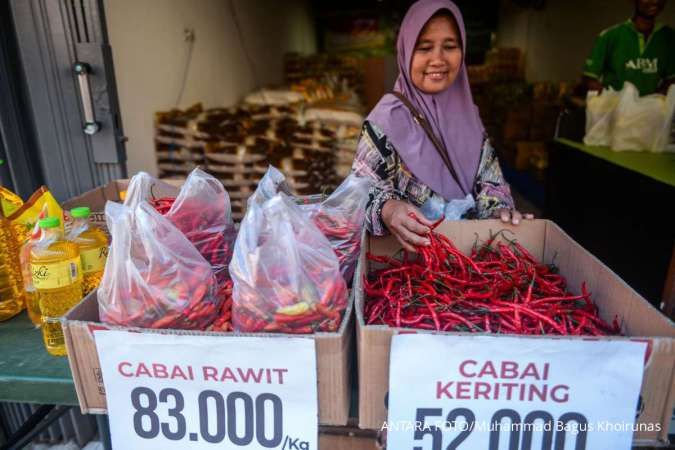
(286, 276)
(599, 117)
(154, 276)
(642, 123)
(341, 218)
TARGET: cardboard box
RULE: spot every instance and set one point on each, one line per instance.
(96, 199)
(332, 355)
(544, 239)
(340, 442)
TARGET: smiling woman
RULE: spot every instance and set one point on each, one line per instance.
(424, 144)
(438, 54)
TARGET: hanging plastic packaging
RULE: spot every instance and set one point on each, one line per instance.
(643, 123)
(600, 116)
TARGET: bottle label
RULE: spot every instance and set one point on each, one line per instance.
(56, 275)
(93, 260)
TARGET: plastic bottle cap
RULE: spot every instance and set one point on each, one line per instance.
(81, 212)
(49, 222)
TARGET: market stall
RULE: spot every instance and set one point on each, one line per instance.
(562, 295)
(618, 196)
(296, 262)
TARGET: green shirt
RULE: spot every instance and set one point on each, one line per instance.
(621, 54)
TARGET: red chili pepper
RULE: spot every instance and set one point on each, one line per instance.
(500, 288)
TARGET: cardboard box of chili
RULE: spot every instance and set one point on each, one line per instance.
(547, 243)
(332, 349)
(332, 357)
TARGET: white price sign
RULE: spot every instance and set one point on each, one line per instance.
(205, 392)
(494, 393)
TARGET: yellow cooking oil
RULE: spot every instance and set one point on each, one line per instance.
(30, 294)
(93, 244)
(11, 283)
(57, 278)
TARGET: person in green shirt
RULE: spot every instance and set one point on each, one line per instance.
(639, 50)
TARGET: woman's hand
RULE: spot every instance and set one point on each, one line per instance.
(512, 215)
(410, 232)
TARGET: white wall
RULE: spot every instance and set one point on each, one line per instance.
(150, 54)
(557, 39)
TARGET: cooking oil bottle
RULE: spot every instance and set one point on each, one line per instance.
(11, 283)
(31, 297)
(57, 277)
(93, 244)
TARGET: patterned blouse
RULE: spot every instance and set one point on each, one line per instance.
(376, 157)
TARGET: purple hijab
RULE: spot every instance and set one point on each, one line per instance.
(451, 113)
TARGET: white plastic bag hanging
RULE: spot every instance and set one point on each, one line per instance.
(599, 116)
(664, 135)
(154, 276)
(642, 123)
(286, 276)
(341, 218)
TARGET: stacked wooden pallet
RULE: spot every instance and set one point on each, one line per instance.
(238, 144)
(346, 126)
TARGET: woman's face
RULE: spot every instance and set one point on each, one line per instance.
(437, 56)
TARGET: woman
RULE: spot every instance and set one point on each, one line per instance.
(425, 143)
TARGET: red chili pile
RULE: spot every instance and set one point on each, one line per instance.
(292, 317)
(197, 315)
(500, 288)
(215, 247)
(344, 236)
(224, 320)
(159, 294)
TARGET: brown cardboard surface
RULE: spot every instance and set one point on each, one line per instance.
(345, 442)
(332, 354)
(547, 242)
(96, 198)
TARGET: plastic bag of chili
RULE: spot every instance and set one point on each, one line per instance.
(201, 209)
(154, 276)
(341, 218)
(286, 276)
(203, 213)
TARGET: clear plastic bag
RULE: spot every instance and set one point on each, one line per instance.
(203, 213)
(642, 123)
(286, 276)
(341, 218)
(599, 116)
(143, 187)
(154, 276)
(201, 210)
(269, 185)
